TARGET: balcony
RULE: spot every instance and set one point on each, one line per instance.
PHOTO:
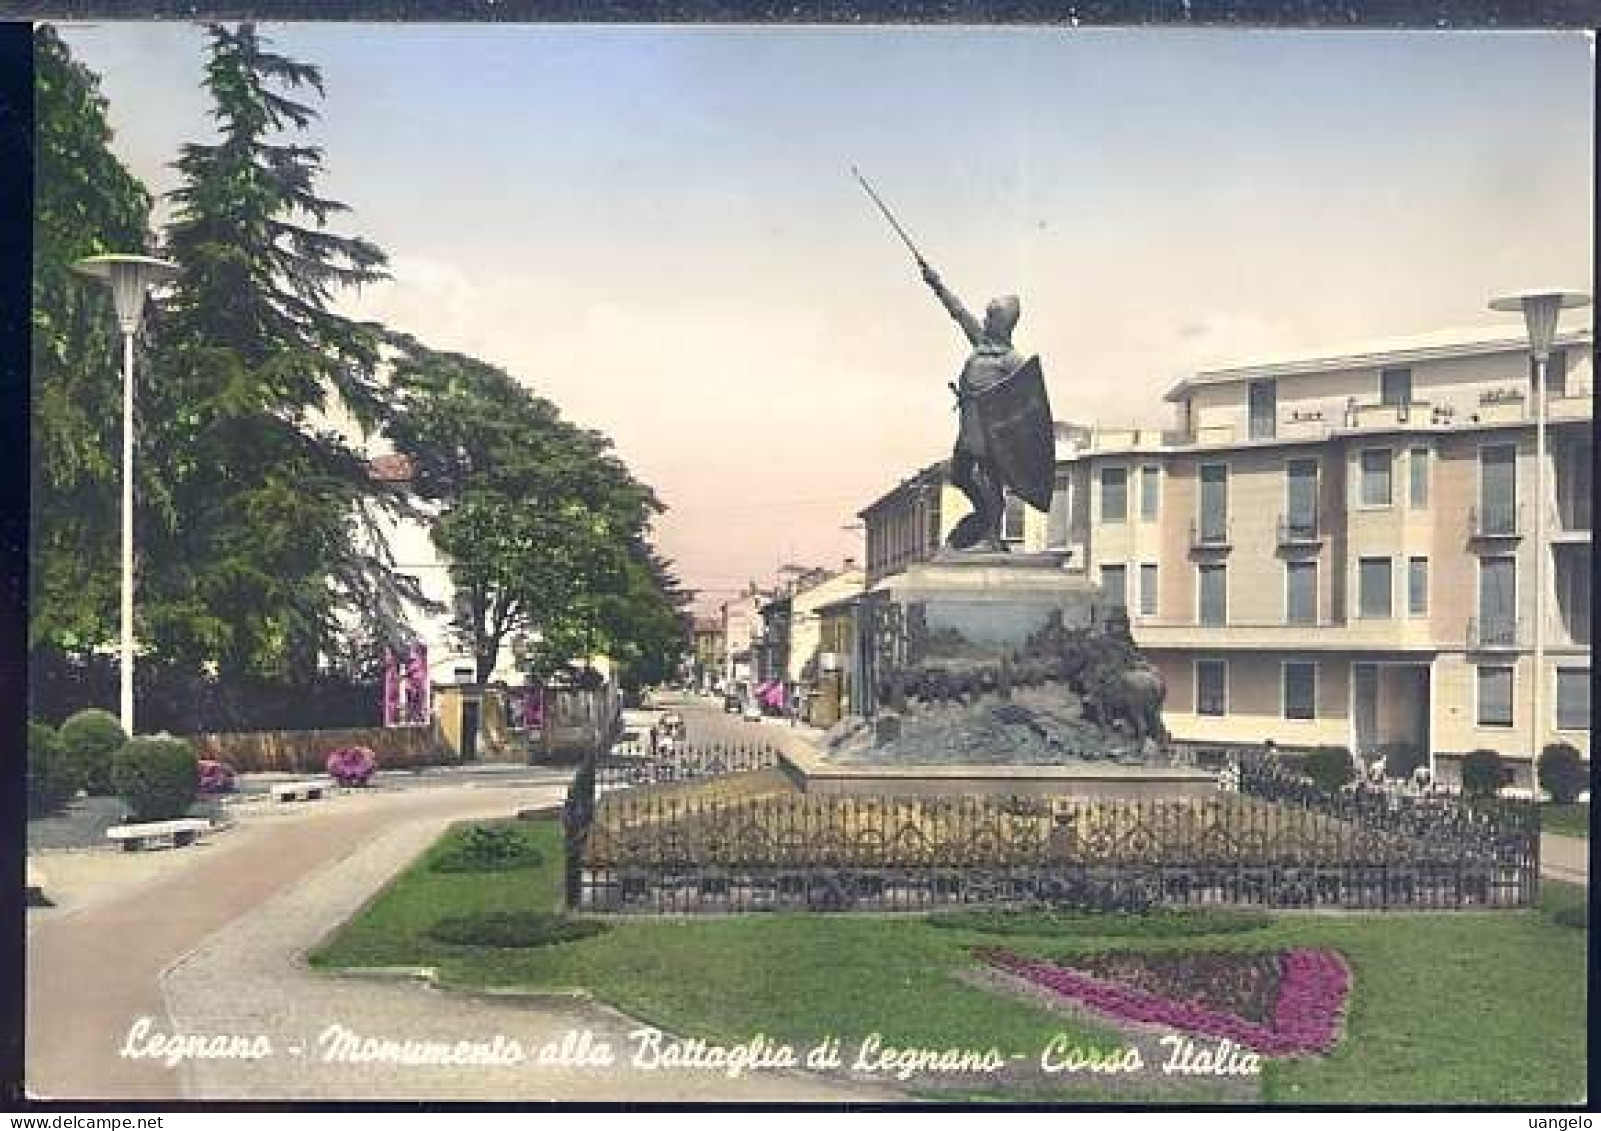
(1497, 523)
(1497, 635)
(1299, 530)
(1411, 414)
(1212, 534)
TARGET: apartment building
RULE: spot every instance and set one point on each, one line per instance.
(1339, 548)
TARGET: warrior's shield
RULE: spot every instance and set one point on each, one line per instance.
(1016, 416)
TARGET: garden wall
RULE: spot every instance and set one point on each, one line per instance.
(304, 751)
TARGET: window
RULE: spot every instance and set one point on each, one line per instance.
(1211, 687)
(1147, 590)
(1012, 519)
(1373, 587)
(1573, 698)
(1498, 489)
(1114, 584)
(1573, 594)
(1495, 696)
(1058, 522)
(1300, 690)
(1376, 477)
(1150, 491)
(1114, 494)
(1395, 386)
(1264, 405)
(1556, 373)
(1214, 502)
(1300, 592)
(1300, 498)
(1575, 476)
(1498, 600)
(1214, 594)
(1417, 586)
(1417, 465)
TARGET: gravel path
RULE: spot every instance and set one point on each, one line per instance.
(251, 979)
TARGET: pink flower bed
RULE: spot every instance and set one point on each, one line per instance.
(1313, 986)
(352, 765)
(215, 777)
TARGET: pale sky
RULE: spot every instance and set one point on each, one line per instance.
(657, 229)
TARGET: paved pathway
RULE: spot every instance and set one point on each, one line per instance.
(211, 939)
(250, 978)
(1565, 858)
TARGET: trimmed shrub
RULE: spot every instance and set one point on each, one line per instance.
(1563, 773)
(1402, 758)
(216, 777)
(1482, 773)
(352, 765)
(52, 778)
(1575, 915)
(157, 776)
(1329, 767)
(90, 738)
(509, 930)
(488, 848)
(1566, 905)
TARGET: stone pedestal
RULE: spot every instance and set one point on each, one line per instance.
(964, 608)
(810, 769)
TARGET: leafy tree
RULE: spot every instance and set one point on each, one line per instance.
(647, 626)
(543, 525)
(85, 203)
(267, 519)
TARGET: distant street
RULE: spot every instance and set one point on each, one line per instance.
(706, 723)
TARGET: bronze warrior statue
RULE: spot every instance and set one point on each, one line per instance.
(992, 361)
(1005, 439)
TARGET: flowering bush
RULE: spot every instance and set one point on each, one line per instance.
(216, 777)
(1297, 1016)
(352, 765)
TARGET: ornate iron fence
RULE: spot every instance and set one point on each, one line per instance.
(750, 845)
(1502, 826)
(630, 766)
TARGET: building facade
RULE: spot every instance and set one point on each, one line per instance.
(742, 624)
(817, 663)
(1339, 550)
(709, 653)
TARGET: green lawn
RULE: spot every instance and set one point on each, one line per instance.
(1471, 1007)
(1566, 820)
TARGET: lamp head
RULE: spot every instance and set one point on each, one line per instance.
(130, 277)
(1541, 310)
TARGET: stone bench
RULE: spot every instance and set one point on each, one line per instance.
(309, 790)
(178, 832)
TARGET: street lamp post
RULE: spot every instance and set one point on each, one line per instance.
(1541, 309)
(130, 277)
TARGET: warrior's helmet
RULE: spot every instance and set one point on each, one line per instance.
(1000, 318)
